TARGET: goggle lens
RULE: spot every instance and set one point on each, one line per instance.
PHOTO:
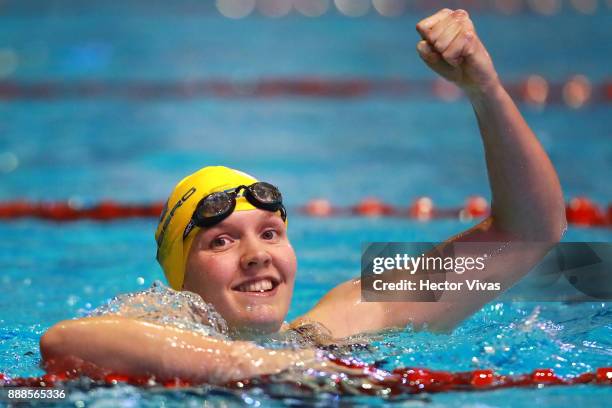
(214, 205)
(266, 193)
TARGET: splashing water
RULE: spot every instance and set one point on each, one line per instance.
(507, 337)
(165, 306)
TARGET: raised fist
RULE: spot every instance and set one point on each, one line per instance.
(451, 48)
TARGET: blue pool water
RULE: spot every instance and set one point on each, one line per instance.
(134, 150)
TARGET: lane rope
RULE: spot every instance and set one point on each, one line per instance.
(574, 92)
(580, 211)
(379, 382)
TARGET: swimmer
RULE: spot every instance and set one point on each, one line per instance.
(223, 235)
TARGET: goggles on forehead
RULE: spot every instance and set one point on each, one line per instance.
(216, 207)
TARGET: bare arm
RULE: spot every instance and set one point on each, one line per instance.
(527, 201)
(111, 344)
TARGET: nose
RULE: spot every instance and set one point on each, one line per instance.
(254, 254)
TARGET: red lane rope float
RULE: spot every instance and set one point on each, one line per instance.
(583, 211)
(397, 382)
(574, 92)
(580, 211)
(58, 211)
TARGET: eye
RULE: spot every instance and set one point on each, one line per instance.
(219, 242)
(269, 235)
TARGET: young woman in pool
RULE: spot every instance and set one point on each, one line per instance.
(240, 259)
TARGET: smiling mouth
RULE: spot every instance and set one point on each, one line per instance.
(258, 286)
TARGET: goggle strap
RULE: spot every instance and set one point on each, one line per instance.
(188, 228)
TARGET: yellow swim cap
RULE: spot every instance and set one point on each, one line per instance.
(172, 251)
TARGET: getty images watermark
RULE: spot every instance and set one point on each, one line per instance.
(432, 272)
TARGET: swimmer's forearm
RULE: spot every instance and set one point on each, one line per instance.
(527, 201)
(109, 344)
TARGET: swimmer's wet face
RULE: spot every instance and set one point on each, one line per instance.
(245, 266)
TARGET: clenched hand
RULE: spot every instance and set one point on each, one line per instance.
(451, 48)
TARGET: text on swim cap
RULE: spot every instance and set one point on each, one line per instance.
(180, 202)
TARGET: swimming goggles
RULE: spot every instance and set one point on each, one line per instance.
(216, 207)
